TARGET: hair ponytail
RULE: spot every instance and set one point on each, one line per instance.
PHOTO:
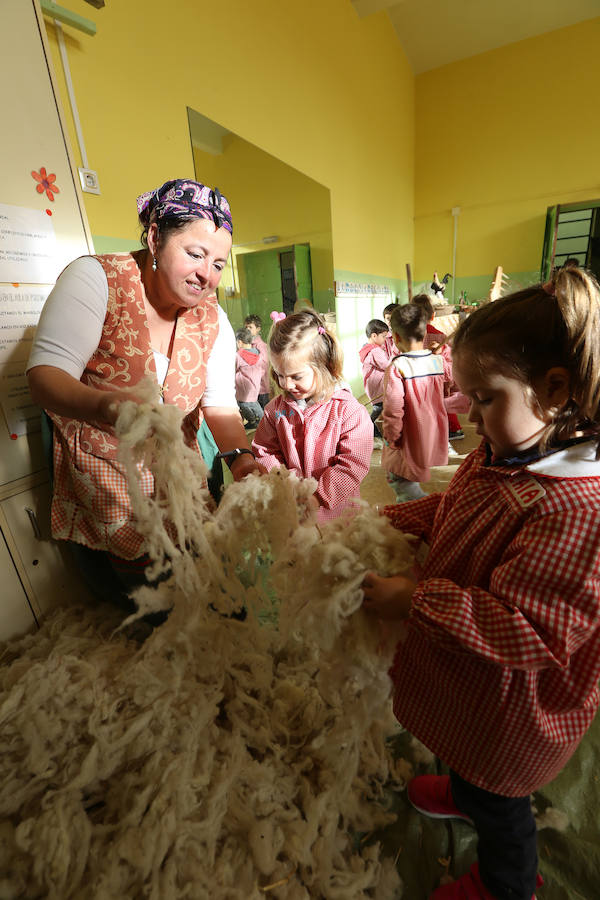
(578, 297)
(306, 332)
(529, 332)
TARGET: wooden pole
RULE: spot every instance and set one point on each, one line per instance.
(409, 282)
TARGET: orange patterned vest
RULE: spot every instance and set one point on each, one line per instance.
(91, 502)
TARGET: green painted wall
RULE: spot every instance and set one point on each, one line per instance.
(105, 244)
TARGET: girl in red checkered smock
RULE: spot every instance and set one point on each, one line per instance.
(315, 428)
(499, 671)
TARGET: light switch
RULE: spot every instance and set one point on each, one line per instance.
(89, 181)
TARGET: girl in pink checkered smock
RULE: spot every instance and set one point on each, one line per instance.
(499, 671)
(315, 428)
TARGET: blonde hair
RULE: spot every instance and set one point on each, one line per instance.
(305, 332)
(526, 333)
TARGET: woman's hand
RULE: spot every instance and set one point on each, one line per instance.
(388, 598)
(245, 464)
(226, 426)
(108, 407)
(61, 393)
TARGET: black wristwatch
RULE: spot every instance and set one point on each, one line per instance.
(231, 455)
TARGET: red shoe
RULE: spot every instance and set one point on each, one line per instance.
(470, 887)
(431, 795)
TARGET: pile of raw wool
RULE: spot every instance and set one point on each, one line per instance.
(222, 757)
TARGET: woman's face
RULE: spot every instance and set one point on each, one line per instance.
(294, 374)
(190, 262)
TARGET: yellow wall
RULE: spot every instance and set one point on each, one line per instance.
(268, 197)
(309, 82)
(504, 135)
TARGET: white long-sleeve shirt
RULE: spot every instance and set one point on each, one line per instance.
(71, 324)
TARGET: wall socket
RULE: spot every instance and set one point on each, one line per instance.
(89, 181)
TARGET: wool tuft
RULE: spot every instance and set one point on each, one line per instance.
(223, 757)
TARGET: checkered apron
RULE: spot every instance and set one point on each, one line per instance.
(91, 503)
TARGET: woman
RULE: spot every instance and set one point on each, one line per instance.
(109, 321)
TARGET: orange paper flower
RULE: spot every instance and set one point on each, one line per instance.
(45, 183)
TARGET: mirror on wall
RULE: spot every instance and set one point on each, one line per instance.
(282, 254)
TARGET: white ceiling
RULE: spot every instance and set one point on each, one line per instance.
(436, 32)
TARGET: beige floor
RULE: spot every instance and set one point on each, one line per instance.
(377, 491)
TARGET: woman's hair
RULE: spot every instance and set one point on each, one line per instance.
(424, 300)
(306, 332)
(167, 226)
(409, 321)
(527, 333)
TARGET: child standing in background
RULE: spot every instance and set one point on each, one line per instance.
(375, 359)
(315, 428)
(254, 324)
(432, 339)
(505, 619)
(391, 348)
(415, 424)
(248, 373)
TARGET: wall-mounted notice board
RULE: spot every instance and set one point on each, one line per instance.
(42, 221)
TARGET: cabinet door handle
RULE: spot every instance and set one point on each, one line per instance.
(34, 523)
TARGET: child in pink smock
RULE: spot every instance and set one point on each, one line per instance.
(415, 424)
(498, 674)
(391, 348)
(249, 369)
(436, 340)
(254, 324)
(375, 358)
(315, 427)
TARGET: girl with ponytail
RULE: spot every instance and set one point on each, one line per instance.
(499, 671)
(315, 427)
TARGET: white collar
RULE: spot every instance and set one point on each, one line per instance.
(576, 461)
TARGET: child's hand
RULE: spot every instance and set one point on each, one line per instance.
(313, 503)
(388, 598)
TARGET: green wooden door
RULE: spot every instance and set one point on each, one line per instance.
(263, 283)
(303, 272)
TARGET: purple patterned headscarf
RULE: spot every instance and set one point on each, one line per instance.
(182, 198)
